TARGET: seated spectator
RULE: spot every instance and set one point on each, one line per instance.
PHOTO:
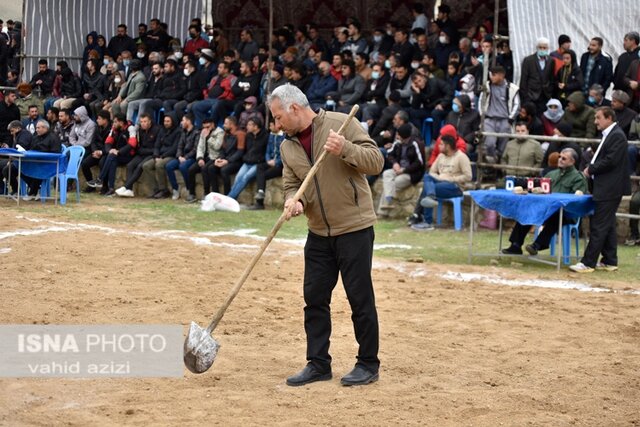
(562, 130)
(70, 89)
(447, 130)
(229, 158)
(580, 116)
(402, 47)
(465, 120)
(407, 168)
(29, 123)
(42, 81)
(115, 82)
(271, 167)
(429, 60)
(430, 98)
(146, 135)
(528, 114)
(596, 97)
(171, 92)
(95, 86)
(401, 81)
(565, 179)
(64, 126)
(321, 84)
(219, 90)
(83, 130)
(19, 137)
(52, 117)
(446, 179)
(164, 150)
(634, 209)
(444, 48)
(381, 132)
(194, 82)
(185, 156)
(568, 78)
(624, 115)
(46, 141)
(119, 148)
(350, 88)
(132, 90)
(552, 116)
(94, 154)
(256, 146)
(453, 75)
(246, 85)
(361, 61)
(209, 145)
(26, 99)
(250, 111)
(522, 152)
(299, 76)
(374, 95)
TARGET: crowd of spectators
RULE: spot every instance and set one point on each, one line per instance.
(158, 104)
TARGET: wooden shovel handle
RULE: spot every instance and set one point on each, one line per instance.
(305, 183)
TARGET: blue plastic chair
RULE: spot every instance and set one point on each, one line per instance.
(568, 231)
(427, 130)
(75, 154)
(457, 211)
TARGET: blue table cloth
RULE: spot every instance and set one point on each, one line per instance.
(533, 209)
(38, 164)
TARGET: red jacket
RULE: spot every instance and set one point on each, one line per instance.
(191, 45)
(225, 86)
(450, 130)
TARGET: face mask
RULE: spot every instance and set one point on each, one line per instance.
(186, 72)
(415, 65)
(140, 55)
(202, 61)
(375, 75)
(387, 64)
(377, 39)
(210, 38)
(178, 55)
(543, 53)
(455, 107)
(193, 36)
(389, 33)
(105, 61)
(591, 100)
(126, 62)
(475, 44)
(442, 39)
(117, 80)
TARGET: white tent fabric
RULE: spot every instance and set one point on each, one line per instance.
(56, 30)
(579, 19)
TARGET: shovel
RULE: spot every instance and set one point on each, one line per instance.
(200, 348)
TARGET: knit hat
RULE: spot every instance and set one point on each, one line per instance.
(405, 130)
(564, 128)
(208, 54)
(563, 39)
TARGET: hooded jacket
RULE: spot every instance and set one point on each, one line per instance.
(449, 130)
(70, 85)
(147, 140)
(93, 46)
(467, 122)
(256, 147)
(582, 119)
(82, 132)
(168, 139)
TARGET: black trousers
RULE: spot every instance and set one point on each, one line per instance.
(88, 162)
(550, 229)
(350, 255)
(134, 170)
(265, 172)
(214, 173)
(602, 234)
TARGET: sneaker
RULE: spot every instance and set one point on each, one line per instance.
(581, 268)
(175, 194)
(95, 183)
(255, 207)
(422, 226)
(162, 194)
(120, 190)
(260, 195)
(632, 242)
(109, 193)
(191, 199)
(88, 189)
(601, 266)
(512, 250)
(414, 219)
(126, 193)
(532, 249)
(28, 198)
(428, 202)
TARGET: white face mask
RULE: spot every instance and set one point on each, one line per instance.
(415, 65)
(186, 72)
(117, 80)
(140, 55)
(442, 39)
(475, 44)
(377, 39)
(202, 61)
(178, 55)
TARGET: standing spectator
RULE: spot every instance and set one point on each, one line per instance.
(632, 81)
(84, 129)
(256, 146)
(173, 89)
(522, 152)
(271, 167)
(92, 45)
(630, 44)
(157, 38)
(499, 102)
(634, 209)
(446, 179)
(42, 81)
(121, 42)
(185, 155)
(402, 48)
(596, 68)
(446, 24)
(95, 154)
(195, 41)
(356, 43)
(147, 135)
(142, 34)
(624, 114)
(536, 79)
(165, 149)
(219, 90)
(609, 173)
(246, 85)
(419, 18)
(564, 46)
(568, 78)
(209, 145)
(247, 47)
(381, 45)
(444, 49)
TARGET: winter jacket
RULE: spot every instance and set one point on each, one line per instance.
(339, 200)
(320, 86)
(466, 122)
(403, 87)
(413, 154)
(118, 44)
(70, 86)
(601, 73)
(95, 85)
(351, 90)
(536, 85)
(188, 145)
(48, 143)
(273, 148)
(173, 87)
(513, 99)
(47, 78)
(99, 138)
(209, 146)
(582, 120)
(256, 147)
(147, 140)
(8, 113)
(220, 88)
(435, 92)
(167, 141)
(63, 132)
(121, 141)
(233, 146)
(82, 133)
(22, 138)
(193, 86)
(376, 90)
(153, 87)
(134, 88)
(567, 180)
(246, 86)
(572, 78)
(522, 152)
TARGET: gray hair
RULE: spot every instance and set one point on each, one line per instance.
(44, 123)
(598, 88)
(542, 40)
(288, 94)
(403, 115)
(572, 153)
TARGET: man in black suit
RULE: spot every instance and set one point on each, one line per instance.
(610, 177)
(536, 78)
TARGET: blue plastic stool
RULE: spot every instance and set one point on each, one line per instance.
(457, 211)
(568, 231)
(427, 130)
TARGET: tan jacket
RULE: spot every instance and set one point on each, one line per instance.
(456, 169)
(338, 201)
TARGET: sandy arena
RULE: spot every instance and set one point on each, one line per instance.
(453, 352)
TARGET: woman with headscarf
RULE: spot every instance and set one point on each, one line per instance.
(568, 78)
(552, 116)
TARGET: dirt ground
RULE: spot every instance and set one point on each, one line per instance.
(452, 353)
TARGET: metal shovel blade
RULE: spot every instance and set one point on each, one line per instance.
(200, 349)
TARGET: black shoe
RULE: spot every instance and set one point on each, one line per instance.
(95, 183)
(162, 194)
(414, 219)
(308, 375)
(359, 376)
(532, 249)
(88, 189)
(512, 250)
(255, 207)
(191, 199)
(109, 193)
